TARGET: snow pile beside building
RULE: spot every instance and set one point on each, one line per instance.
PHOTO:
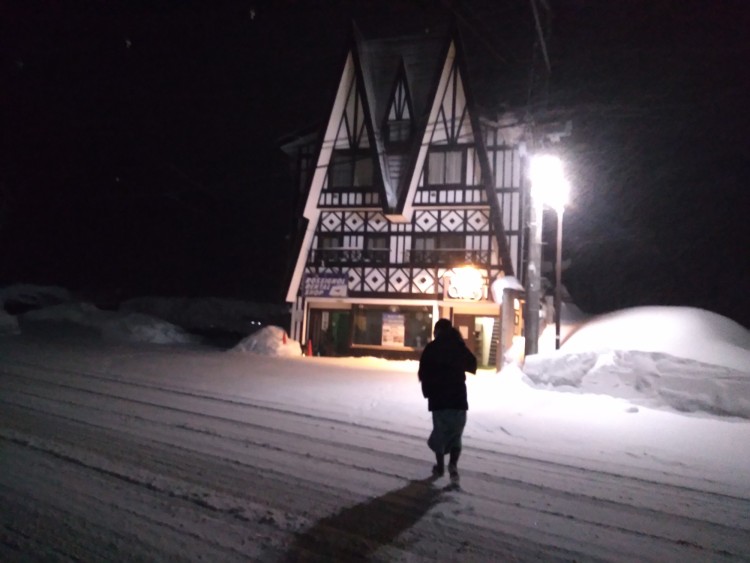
(270, 341)
(686, 332)
(129, 327)
(83, 314)
(136, 319)
(135, 327)
(684, 358)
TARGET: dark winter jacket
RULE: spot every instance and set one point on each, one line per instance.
(442, 370)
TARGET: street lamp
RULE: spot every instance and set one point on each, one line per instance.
(548, 185)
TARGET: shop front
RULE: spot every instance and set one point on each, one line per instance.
(381, 328)
(400, 328)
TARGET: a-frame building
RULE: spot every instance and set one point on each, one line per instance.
(413, 205)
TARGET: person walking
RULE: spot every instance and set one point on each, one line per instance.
(442, 373)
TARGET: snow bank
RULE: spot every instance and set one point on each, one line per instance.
(20, 298)
(270, 341)
(676, 357)
(135, 327)
(129, 327)
(242, 317)
(679, 357)
(686, 332)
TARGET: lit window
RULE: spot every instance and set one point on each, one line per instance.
(405, 326)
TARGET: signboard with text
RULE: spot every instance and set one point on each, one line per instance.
(325, 285)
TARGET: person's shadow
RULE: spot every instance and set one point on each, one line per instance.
(356, 532)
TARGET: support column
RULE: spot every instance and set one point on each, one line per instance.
(507, 326)
(533, 272)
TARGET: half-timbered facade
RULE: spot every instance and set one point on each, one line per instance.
(413, 206)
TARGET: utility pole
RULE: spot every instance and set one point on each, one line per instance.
(534, 265)
(533, 281)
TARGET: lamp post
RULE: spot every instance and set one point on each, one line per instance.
(549, 186)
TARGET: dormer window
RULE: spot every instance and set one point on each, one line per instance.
(398, 131)
(398, 126)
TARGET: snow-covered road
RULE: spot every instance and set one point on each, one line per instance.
(121, 452)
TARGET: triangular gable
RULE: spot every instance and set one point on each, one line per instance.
(352, 131)
(343, 126)
(404, 70)
(453, 124)
(349, 127)
(425, 134)
(328, 142)
(397, 129)
(389, 196)
(399, 105)
(452, 119)
(486, 173)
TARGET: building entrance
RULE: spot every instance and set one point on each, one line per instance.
(330, 332)
(477, 331)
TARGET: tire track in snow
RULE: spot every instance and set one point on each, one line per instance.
(482, 478)
(341, 427)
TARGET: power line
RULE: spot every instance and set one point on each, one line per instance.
(539, 32)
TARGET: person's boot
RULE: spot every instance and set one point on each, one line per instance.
(453, 465)
(438, 470)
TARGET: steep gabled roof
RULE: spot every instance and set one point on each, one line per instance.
(380, 63)
(422, 57)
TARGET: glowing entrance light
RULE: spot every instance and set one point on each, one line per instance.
(466, 283)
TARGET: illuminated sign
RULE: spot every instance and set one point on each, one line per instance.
(464, 284)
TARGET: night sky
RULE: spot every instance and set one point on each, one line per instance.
(140, 140)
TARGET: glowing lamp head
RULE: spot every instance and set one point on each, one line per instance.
(548, 183)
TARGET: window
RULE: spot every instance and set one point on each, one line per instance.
(329, 249)
(451, 241)
(444, 249)
(377, 249)
(398, 130)
(394, 326)
(451, 249)
(329, 242)
(445, 167)
(349, 170)
(423, 249)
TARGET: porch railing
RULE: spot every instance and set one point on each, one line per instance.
(444, 257)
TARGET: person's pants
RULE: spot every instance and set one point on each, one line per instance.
(447, 429)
